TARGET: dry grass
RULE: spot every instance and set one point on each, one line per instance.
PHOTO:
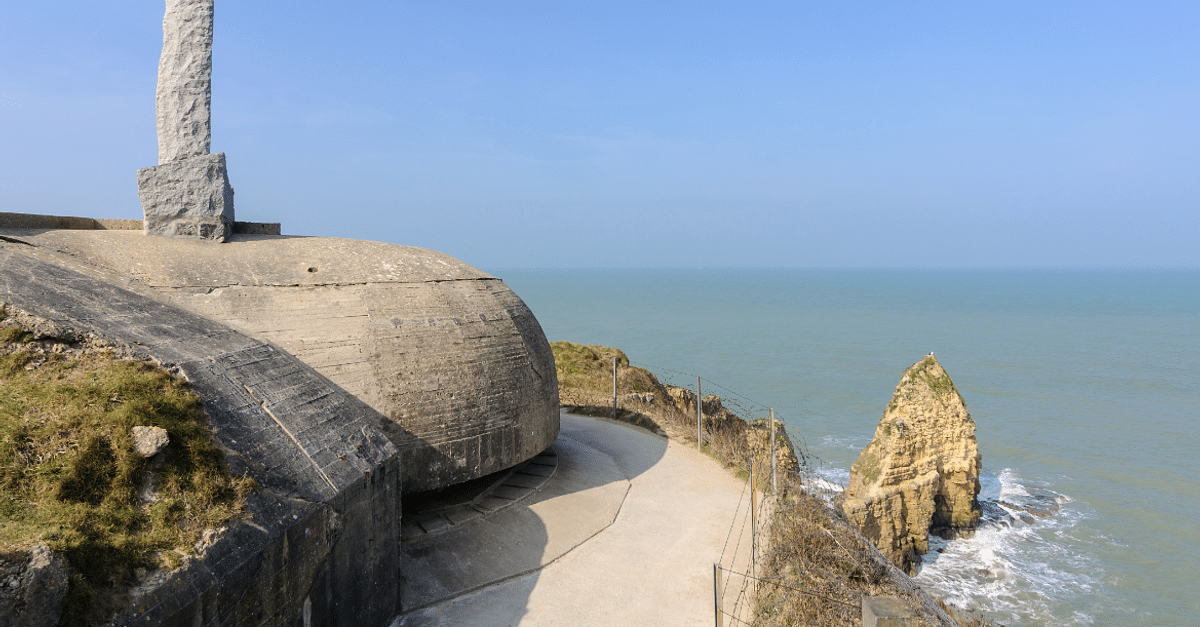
(817, 569)
(69, 476)
(585, 386)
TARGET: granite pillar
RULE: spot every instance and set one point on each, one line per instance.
(188, 193)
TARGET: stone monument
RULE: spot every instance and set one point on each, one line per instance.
(187, 194)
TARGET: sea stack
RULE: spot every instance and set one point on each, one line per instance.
(920, 473)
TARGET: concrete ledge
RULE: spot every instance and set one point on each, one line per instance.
(9, 220)
(256, 228)
(34, 221)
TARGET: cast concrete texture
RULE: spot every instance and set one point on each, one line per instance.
(188, 198)
(454, 360)
(626, 533)
(183, 100)
(321, 541)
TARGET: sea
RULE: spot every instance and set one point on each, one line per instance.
(1084, 385)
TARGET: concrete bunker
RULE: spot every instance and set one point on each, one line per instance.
(448, 353)
(402, 370)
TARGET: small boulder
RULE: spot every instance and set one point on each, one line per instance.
(149, 441)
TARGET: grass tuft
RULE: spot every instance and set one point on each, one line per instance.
(70, 477)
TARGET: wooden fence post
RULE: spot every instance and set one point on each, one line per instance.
(774, 474)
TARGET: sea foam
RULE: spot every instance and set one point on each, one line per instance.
(1017, 567)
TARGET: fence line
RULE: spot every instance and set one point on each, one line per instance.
(810, 479)
(809, 462)
(799, 589)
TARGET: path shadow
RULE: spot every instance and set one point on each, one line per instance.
(484, 570)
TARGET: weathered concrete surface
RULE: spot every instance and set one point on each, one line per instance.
(184, 96)
(325, 522)
(920, 473)
(188, 198)
(650, 565)
(454, 360)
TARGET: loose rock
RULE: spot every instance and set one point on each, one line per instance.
(149, 441)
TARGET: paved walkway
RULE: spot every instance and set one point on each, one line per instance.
(625, 533)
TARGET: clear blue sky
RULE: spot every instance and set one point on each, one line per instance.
(557, 134)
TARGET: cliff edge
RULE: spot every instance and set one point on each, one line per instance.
(920, 473)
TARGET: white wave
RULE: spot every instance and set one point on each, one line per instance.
(1018, 567)
(855, 443)
(1010, 484)
(824, 486)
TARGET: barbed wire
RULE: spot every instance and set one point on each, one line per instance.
(709, 381)
(794, 588)
(736, 618)
(737, 546)
(734, 523)
(745, 407)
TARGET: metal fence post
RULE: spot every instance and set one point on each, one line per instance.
(717, 593)
(753, 516)
(614, 388)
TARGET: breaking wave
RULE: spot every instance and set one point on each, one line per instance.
(1023, 566)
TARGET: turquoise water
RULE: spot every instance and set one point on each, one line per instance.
(1084, 384)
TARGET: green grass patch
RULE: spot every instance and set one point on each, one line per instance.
(70, 477)
(589, 368)
(928, 371)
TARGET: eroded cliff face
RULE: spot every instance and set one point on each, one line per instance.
(920, 473)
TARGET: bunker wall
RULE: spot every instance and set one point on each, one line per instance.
(320, 546)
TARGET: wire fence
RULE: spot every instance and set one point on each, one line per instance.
(815, 472)
(784, 560)
(749, 588)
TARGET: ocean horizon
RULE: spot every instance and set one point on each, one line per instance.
(1082, 383)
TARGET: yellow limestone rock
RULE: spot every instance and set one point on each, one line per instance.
(920, 473)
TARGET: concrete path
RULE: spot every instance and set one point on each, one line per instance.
(597, 547)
